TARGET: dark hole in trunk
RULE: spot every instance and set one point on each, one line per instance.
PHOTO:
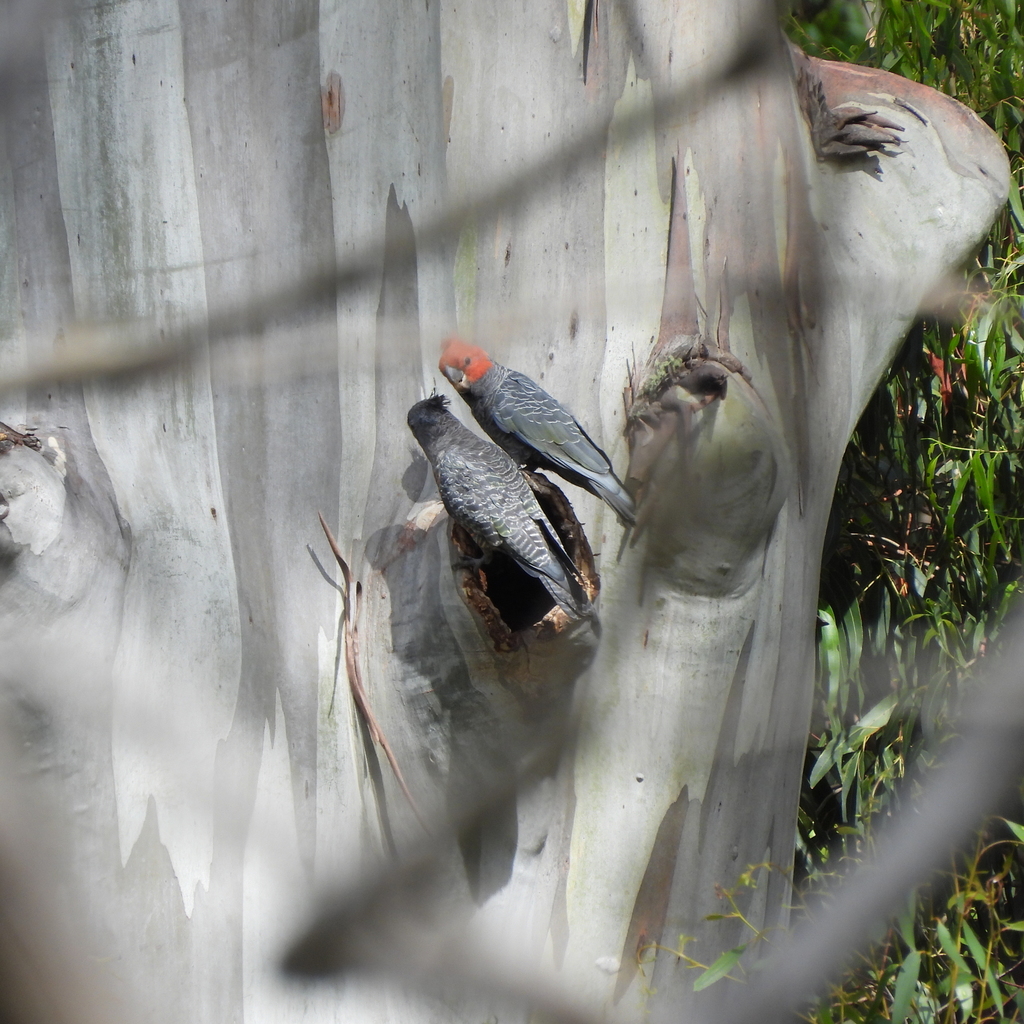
(519, 598)
(509, 599)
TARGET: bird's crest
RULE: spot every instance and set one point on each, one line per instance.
(471, 360)
(428, 415)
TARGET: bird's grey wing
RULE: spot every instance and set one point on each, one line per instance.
(484, 489)
(486, 492)
(524, 409)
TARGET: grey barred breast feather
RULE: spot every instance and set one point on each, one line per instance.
(485, 492)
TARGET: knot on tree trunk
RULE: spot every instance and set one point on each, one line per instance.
(840, 131)
(32, 493)
(710, 465)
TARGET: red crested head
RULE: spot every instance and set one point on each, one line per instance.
(463, 364)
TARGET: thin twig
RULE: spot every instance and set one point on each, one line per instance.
(355, 679)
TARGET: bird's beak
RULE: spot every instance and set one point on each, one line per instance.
(455, 375)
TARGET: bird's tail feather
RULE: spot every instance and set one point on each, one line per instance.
(615, 495)
(573, 599)
(576, 606)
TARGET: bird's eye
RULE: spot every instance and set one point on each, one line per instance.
(466, 361)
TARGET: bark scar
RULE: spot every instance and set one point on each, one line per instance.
(332, 103)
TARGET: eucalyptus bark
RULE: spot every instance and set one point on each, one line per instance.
(714, 300)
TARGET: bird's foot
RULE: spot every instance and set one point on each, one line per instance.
(465, 561)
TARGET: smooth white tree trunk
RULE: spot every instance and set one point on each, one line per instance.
(177, 649)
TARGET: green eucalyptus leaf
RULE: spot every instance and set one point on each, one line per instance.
(719, 969)
(950, 948)
(906, 983)
(1016, 206)
(1017, 830)
(877, 716)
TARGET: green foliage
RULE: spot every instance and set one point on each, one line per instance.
(728, 964)
(924, 551)
(955, 953)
